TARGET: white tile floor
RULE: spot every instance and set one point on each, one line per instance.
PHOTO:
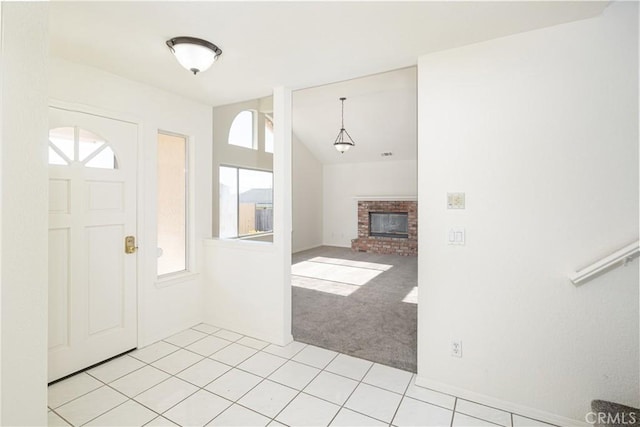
(208, 376)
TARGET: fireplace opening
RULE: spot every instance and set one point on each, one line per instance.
(389, 224)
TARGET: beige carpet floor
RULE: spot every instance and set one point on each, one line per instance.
(360, 304)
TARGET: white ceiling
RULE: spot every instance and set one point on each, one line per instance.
(299, 45)
(295, 44)
(379, 114)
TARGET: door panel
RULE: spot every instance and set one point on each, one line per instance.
(92, 207)
(59, 196)
(105, 278)
(105, 196)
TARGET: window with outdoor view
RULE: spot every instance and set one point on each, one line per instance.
(246, 202)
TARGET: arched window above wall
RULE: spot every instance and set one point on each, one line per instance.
(242, 130)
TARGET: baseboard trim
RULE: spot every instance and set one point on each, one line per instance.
(506, 405)
(288, 339)
(306, 248)
(280, 340)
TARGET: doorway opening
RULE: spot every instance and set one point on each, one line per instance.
(354, 242)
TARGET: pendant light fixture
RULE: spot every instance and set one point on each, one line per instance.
(194, 54)
(343, 141)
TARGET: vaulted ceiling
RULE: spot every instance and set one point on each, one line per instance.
(380, 115)
(299, 45)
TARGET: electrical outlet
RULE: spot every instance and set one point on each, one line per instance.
(456, 348)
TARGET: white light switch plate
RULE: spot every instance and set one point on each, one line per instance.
(456, 236)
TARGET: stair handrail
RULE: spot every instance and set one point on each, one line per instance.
(621, 256)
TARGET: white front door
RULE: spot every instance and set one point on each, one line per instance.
(92, 208)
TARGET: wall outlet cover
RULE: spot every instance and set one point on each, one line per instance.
(456, 348)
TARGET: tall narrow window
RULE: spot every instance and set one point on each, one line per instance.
(228, 202)
(241, 132)
(268, 135)
(172, 203)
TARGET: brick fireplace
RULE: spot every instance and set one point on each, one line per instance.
(365, 242)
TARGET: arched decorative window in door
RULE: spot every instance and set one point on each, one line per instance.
(69, 145)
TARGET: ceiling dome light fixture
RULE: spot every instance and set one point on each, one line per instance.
(343, 141)
(194, 54)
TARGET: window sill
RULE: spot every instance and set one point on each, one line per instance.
(252, 245)
(175, 279)
(255, 236)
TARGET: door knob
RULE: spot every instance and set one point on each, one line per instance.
(130, 245)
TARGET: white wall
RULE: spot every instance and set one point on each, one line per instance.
(165, 307)
(343, 182)
(306, 173)
(23, 197)
(248, 283)
(540, 130)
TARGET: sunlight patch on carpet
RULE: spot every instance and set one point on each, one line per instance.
(333, 272)
(326, 286)
(412, 296)
(351, 263)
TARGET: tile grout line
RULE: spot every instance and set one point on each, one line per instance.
(351, 394)
(300, 391)
(168, 373)
(404, 394)
(237, 367)
(453, 411)
(137, 369)
(262, 379)
(429, 403)
(161, 357)
(110, 409)
(95, 378)
(195, 385)
(199, 388)
(63, 418)
(117, 406)
(361, 381)
(248, 391)
(132, 398)
(486, 406)
(480, 419)
(104, 384)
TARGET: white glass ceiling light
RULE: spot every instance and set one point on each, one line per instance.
(194, 54)
(343, 141)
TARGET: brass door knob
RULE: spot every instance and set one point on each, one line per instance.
(130, 245)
